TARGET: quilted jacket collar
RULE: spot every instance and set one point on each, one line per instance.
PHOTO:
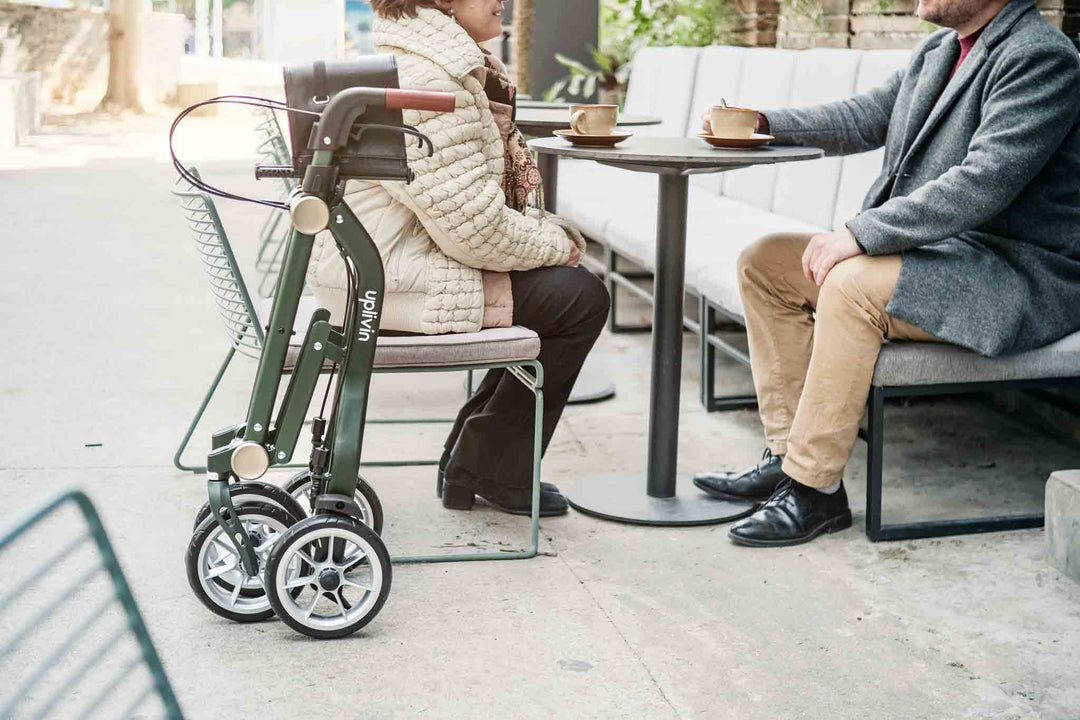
(433, 35)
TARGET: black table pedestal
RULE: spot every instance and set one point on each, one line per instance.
(618, 496)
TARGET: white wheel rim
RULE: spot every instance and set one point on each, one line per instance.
(359, 586)
(218, 559)
(300, 492)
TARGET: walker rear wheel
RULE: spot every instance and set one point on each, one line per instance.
(300, 484)
(328, 576)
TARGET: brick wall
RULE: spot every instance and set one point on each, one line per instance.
(754, 22)
(881, 24)
(69, 47)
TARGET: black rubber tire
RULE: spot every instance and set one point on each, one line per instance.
(364, 491)
(203, 534)
(256, 491)
(295, 535)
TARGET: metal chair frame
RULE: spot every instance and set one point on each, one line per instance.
(94, 534)
(247, 337)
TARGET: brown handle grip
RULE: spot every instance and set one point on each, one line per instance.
(419, 100)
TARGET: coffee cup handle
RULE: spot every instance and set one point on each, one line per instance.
(575, 119)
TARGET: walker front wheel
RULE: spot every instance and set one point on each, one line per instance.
(256, 491)
(328, 576)
(215, 573)
(299, 486)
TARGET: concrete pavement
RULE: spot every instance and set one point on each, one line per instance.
(111, 338)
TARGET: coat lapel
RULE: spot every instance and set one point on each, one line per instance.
(937, 65)
(918, 129)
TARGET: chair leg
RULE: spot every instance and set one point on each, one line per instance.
(709, 400)
(535, 383)
(707, 320)
(612, 288)
(876, 531)
(198, 416)
(875, 446)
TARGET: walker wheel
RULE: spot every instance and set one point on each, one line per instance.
(365, 496)
(256, 491)
(213, 566)
(341, 569)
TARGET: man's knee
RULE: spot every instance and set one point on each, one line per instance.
(862, 280)
(763, 257)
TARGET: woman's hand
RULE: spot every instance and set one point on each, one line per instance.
(575, 256)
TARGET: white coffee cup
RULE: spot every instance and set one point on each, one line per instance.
(594, 119)
(732, 123)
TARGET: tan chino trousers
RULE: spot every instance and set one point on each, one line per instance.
(813, 349)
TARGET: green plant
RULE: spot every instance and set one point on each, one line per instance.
(628, 25)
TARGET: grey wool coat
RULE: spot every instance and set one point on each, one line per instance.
(980, 188)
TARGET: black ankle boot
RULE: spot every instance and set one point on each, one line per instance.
(516, 501)
(440, 478)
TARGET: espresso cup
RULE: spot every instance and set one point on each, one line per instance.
(732, 123)
(593, 119)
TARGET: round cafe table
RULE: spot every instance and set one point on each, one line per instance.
(669, 499)
(537, 118)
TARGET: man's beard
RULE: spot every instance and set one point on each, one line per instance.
(956, 12)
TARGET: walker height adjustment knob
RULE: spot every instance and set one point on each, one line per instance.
(310, 214)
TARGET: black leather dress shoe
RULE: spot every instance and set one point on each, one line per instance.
(440, 477)
(795, 514)
(756, 484)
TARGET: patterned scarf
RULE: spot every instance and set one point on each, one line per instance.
(520, 176)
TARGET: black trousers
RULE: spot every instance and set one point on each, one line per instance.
(491, 443)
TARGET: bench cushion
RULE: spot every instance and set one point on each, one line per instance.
(591, 194)
(858, 172)
(716, 228)
(807, 190)
(904, 364)
(491, 345)
(765, 82)
(662, 84)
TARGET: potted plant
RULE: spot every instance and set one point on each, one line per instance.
(626, 26)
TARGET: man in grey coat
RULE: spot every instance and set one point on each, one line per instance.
(970, 235)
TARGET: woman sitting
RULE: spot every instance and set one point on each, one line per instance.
(463, 250)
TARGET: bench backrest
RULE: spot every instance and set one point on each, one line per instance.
(678, 83)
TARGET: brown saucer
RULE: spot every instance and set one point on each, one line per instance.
(592, 140)
(755, 140)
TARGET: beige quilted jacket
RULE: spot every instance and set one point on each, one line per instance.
(449, 232)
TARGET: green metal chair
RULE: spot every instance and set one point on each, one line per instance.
(514, 349)
(104, 654)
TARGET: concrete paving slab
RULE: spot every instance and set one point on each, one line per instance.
(112, 338)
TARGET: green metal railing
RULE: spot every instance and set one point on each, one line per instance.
(92, 669)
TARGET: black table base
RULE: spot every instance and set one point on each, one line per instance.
(591, 386)
(618, 496)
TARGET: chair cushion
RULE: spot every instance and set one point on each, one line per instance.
(491, 345)
(807, 190)
(908, 363)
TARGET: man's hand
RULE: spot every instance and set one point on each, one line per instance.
(706, 121)
(825, 251)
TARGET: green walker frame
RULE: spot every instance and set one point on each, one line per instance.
(286, 552)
